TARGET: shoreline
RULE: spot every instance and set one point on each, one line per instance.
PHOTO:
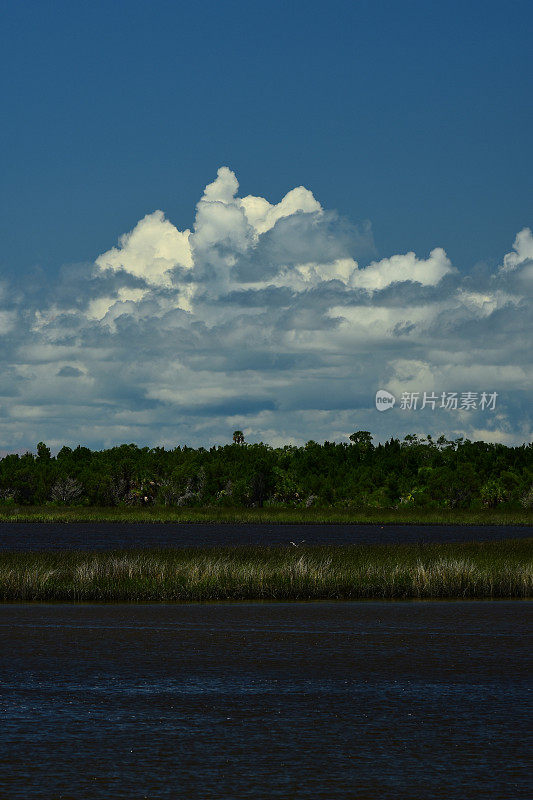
(267, 516)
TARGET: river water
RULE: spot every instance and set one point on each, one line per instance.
(115, 535)
(314, 701)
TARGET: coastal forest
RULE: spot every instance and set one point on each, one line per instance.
(415, 471)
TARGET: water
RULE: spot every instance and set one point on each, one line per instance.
(313, 701)
(106, 536)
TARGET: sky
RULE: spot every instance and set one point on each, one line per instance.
(231, 215)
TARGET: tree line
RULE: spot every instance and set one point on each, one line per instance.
(416, 471)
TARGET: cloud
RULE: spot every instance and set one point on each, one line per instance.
(263, 215)
(150, 250)
(8, 315)
(7, 321)
(397, 269)
(69, 372)
(522, 251)
(274, 317)
(517, 268)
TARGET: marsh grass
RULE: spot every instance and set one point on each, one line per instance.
(475, 570)
(407, 516)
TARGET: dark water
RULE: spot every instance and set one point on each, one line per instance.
(108, 536)
(308, 701)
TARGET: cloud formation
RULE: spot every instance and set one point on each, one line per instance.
(276, 318)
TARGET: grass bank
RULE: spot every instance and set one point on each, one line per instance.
(486, 570)
(407, 516)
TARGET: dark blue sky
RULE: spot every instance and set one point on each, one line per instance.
(415, 115)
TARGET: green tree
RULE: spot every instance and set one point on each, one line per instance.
(363, 439)
(43, 452)
(493, 493)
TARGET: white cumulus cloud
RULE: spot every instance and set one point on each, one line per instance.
(150, 250)
(522, 251)
(274, 317)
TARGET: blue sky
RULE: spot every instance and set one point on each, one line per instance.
(410, 127)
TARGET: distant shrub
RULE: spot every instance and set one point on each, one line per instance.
(66, 490)
(493, 493)
(526, 501)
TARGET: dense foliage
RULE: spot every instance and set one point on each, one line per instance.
(415, 471)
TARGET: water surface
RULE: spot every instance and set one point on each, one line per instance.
(115, 535)
(314, 701)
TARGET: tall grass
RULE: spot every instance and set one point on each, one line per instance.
(484, 570)
(405, 515)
